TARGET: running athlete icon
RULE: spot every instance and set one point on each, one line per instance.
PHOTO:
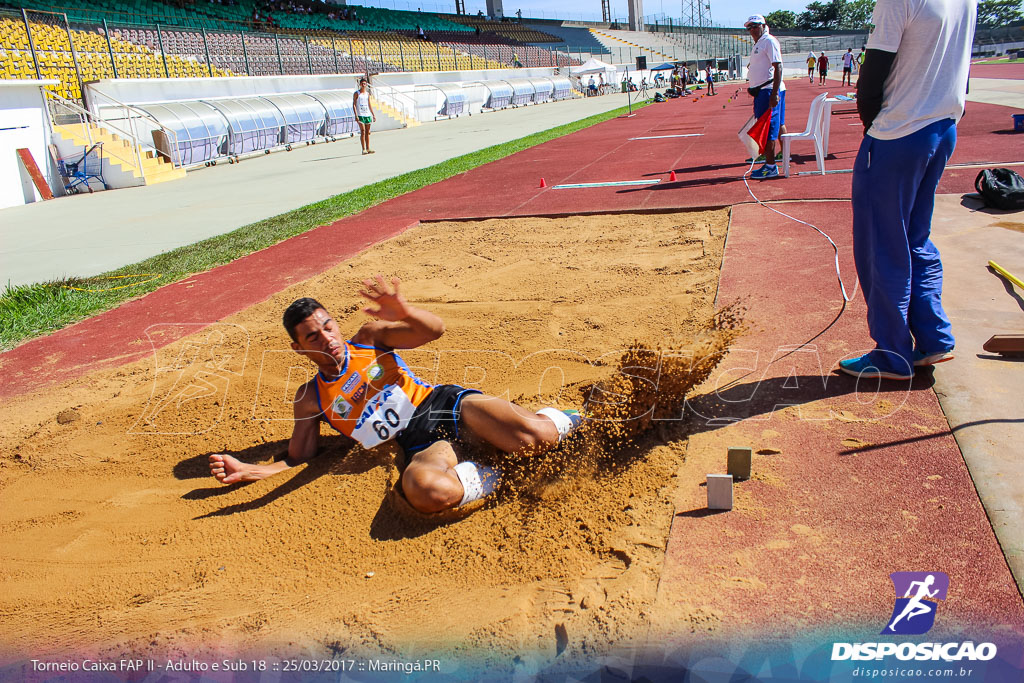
(365, 391)
(916, 606)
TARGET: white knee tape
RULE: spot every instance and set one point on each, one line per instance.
(478, 481)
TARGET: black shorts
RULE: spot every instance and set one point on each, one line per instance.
(436, 419)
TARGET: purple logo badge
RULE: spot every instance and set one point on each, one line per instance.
(917, 596)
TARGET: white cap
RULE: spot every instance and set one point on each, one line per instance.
(753, 19)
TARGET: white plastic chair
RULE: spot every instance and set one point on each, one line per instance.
(815, 124)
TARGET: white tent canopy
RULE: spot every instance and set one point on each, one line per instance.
(594, 66)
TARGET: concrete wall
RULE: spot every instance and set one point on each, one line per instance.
(24, 123)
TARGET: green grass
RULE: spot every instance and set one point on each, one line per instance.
(31, 310)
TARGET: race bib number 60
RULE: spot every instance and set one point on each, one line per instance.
(385, 415)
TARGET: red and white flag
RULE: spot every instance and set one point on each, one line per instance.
(754, 133)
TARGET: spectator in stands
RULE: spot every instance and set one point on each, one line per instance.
(364, 114)
(420, 34)
(848, 67)
(765, 83)
(812, 61)
(822, 68)
(910, 95)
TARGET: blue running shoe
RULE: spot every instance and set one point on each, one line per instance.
(865, 367)
(765, 172)
(921, 359)
(576, 417)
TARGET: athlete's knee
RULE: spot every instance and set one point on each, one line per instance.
(430, 490)
(537, 433)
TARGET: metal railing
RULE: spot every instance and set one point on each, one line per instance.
(109, 109)
(397, 100)
(77, 120)
(124, 124)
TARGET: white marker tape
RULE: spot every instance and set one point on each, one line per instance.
(660, 137)
(613, 183)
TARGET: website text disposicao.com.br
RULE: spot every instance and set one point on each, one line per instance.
(950, 655)
(868, 673)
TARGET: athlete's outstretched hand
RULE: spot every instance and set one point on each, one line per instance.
(390, 305)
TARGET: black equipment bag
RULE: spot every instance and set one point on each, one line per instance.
(1001, 188)
(753, 90)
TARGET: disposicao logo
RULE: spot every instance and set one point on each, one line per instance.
(917, 598)
(914, 612)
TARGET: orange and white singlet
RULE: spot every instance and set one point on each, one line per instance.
(374, 397)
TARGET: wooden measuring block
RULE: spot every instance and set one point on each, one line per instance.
(33, 170)
(739, 463)
(1011, 345)
(719, 491)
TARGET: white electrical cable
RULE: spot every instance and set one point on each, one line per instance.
(839, 274)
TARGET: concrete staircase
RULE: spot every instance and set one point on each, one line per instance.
(617, 40)
(393, 114)
(120, 162)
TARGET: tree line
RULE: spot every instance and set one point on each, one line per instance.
(856, 15)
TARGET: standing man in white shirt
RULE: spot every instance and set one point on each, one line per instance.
(364, 113)
(848, 67)
(764, 82)
(910, 95)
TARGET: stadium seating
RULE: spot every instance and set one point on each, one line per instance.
(396, 52)
(217, 16)
(503, 56)
(152, 51)
(573, 39)
(57, 61)
(510, 30)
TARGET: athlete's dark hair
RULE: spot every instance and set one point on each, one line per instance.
(299, 310)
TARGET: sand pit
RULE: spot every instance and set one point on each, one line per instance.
(116, 540)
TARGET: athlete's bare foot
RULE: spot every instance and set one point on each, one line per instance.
(229, 470)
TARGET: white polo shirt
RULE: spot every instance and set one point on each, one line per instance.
(766, 52)
(928, 81)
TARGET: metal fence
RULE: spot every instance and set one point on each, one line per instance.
(792, 45)
(655, 55)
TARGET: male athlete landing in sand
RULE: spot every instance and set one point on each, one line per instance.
(365, 391)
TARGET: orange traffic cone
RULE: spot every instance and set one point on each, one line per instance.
(542, 183)
(672, 177)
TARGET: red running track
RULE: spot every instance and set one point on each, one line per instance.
(850, 484)
(1010, 70)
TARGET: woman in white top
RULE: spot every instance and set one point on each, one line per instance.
(364, 113)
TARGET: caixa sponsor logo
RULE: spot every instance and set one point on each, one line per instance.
(913, 613)
(921, 652)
